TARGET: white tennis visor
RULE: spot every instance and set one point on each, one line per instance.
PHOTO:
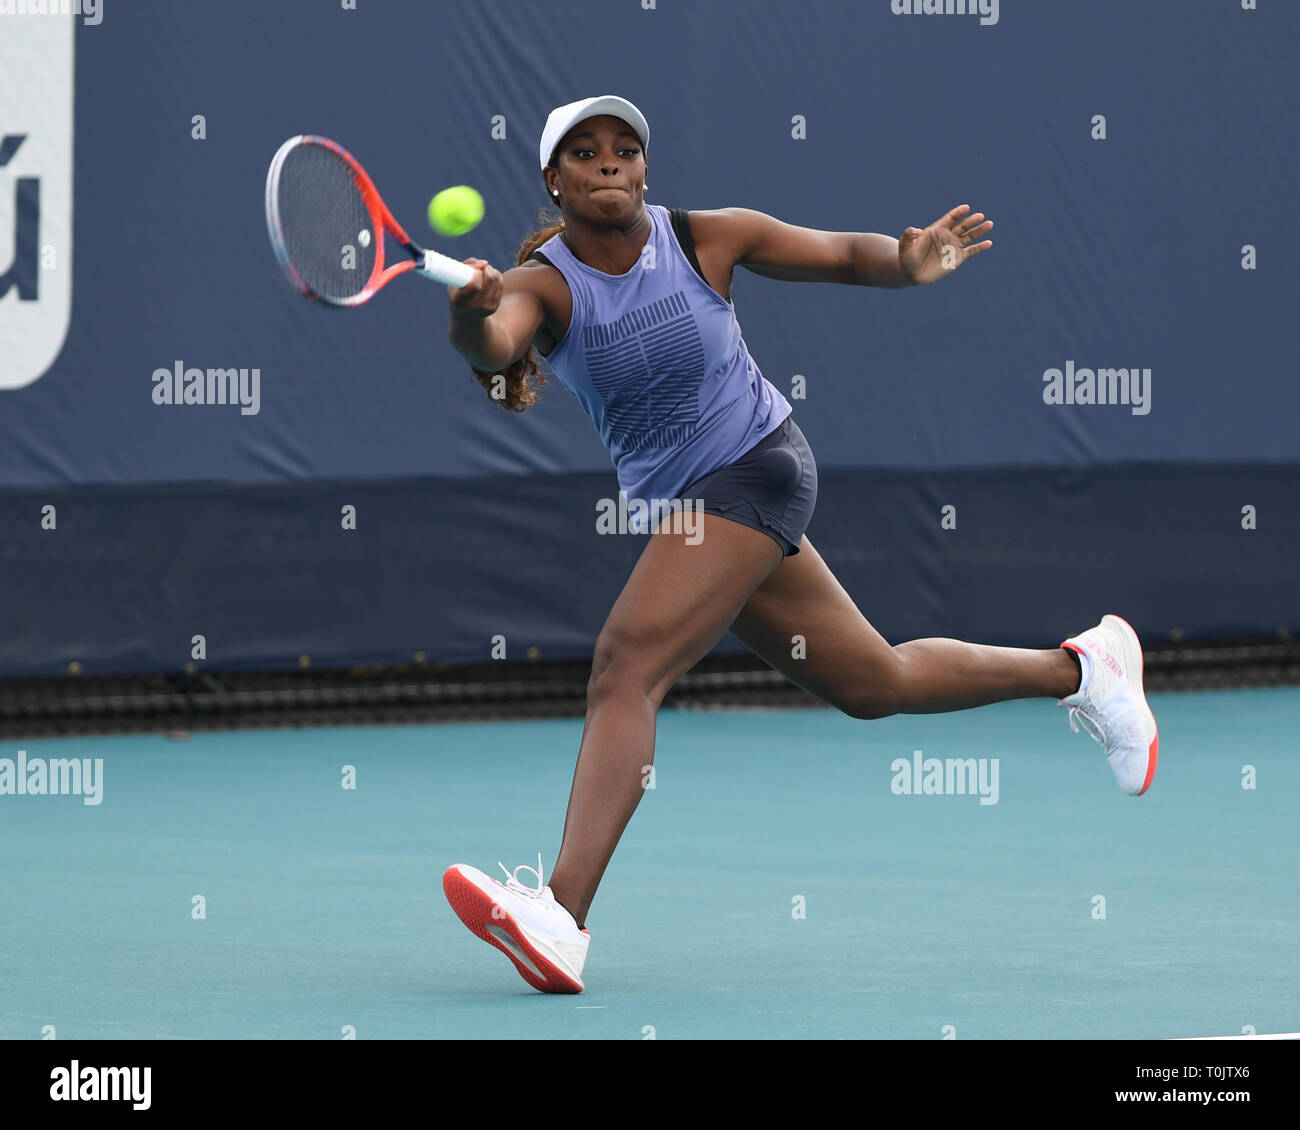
(564, 118)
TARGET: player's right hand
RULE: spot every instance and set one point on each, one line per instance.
(480, 297)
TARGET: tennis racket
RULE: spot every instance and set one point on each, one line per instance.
(327, 223)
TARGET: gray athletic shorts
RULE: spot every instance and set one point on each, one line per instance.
(772, 488)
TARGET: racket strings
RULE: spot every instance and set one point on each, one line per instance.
(325, 227)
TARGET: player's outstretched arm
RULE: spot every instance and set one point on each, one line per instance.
(493, 316)
(769, 247)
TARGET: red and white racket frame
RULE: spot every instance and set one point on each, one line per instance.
(429, 264)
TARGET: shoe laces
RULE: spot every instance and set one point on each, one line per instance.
(1091, 725)
(1116, 728)
(513, 883)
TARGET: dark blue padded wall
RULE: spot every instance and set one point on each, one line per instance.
(1162, 248)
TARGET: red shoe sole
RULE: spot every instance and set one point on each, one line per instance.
(488, 920)
(1153, 750)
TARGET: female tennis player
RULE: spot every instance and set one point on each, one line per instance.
(629, 304)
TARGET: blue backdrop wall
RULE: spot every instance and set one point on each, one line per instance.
(1137, 159)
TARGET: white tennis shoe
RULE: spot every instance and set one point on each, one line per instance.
(525, 923)
(1111, 705)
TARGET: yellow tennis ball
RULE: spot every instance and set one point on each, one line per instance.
(454, 211)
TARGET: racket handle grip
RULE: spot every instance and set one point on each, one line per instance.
(443, 269)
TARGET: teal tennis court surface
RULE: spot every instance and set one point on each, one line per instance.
(922, 916)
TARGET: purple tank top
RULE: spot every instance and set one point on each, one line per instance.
(657, 360)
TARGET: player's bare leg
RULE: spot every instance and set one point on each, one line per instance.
(678, 602)
(850, 666)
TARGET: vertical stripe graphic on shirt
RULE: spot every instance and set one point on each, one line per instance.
(647, 368)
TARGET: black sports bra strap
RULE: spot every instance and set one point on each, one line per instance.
(682, 229)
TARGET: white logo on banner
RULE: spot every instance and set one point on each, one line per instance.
(36, 99)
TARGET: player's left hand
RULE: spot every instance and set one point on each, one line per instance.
(927, 254)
